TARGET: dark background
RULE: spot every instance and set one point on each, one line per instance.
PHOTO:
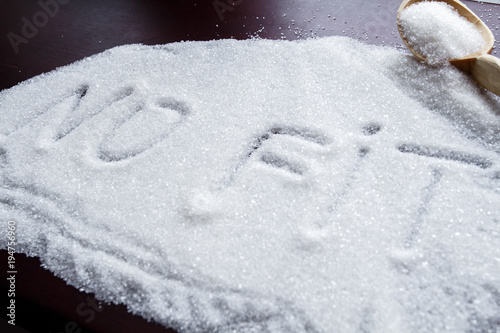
(38, 37)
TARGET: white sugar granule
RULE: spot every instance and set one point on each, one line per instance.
(438, 32)
(261, 186)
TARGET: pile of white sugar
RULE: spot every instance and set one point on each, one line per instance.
(438, 32)
(262, 186)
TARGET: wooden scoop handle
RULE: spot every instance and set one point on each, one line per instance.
(486, 71)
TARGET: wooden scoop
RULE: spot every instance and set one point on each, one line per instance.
(484, 67)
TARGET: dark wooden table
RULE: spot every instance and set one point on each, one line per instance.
(39, 36)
